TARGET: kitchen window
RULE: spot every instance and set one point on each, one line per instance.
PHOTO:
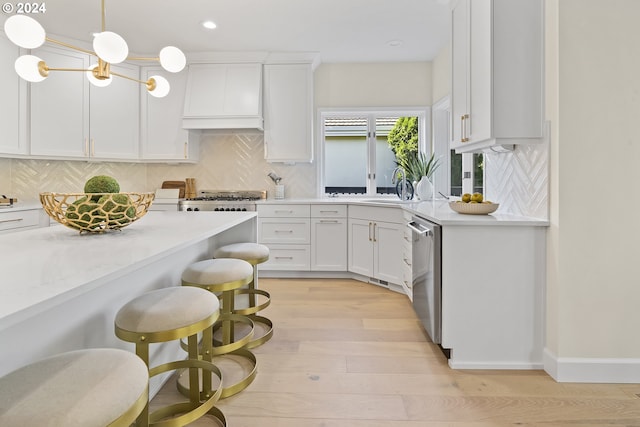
(458, 173)
(356, 157)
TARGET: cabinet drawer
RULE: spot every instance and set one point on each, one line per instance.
(374, 213)
(329, 211)
(283, 211)
(288, 257)
(19, 219)
(284, 230)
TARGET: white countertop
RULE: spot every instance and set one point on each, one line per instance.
(437, 211)
(45, 266)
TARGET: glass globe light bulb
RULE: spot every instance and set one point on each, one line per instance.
(27, 67)
(162, 87)
(96, 81)
(172, 59)
(110, 47)
(24, 31)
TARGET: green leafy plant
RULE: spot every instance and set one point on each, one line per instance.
(403, 138)
(418, 164)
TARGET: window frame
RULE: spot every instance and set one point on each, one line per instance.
(424, 138)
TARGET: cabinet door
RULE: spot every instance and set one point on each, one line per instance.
(161, 120)
(288, 100)
(212, 90)
(480, 82)
(360, 246)
(387, 253)
(329, 244)
(114, 116)
(13, 105)
(59, 113)
(459, 68)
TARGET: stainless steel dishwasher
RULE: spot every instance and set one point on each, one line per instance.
(426, 275)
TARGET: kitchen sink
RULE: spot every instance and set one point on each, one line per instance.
(388, 201)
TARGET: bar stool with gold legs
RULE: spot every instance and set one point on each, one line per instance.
(254, 254)
(235, 331)
(172, 314)
(91, 388)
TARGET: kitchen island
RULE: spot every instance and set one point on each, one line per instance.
(60, 290)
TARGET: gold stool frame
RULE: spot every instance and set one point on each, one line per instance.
(200, 402)
(228, 345)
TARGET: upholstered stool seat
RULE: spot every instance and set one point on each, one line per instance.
(254, 254)
(224, 277)
(88, 388)
(172, 314)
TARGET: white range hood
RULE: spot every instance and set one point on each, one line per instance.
(223, 96)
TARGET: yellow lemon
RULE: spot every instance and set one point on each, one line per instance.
(466, 197)
(476, 197)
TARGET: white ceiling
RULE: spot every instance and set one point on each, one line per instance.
(339, 30)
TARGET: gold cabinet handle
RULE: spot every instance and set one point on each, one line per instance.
(186, 146)
(374, 232)
(465, 132)
(92, 153)
(86, 147)
(462, 128)
(370, 239)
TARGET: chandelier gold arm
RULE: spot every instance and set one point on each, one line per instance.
(150, 84)
(141, 58)
(70, 46)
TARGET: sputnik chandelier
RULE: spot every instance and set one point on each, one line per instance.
(108, 47)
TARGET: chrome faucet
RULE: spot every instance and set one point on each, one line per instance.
(394, 180)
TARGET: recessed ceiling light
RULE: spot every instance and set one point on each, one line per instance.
(209, 25)
(394, 43)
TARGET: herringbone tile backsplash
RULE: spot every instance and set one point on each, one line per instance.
(519, 180)
(227, 162)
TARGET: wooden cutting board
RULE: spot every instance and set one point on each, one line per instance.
(181, 185)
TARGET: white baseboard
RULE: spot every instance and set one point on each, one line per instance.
(591, 370)
(454, 364)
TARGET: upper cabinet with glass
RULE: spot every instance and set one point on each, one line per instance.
(497, 74)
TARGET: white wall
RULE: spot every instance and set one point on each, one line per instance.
(441, 74)
(373, 85)
(593, 287)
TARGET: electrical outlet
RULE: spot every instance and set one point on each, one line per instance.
(467, 175)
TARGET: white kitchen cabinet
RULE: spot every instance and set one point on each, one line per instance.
(285, 229)
(14, 101)
(375, 243)
(162, 135)
(223, 96)
(288, 112)
(493, 296)
(59, 107)
(328, 237)
(497, 73)
(11, 221)
(70, 118)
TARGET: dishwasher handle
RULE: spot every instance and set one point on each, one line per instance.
(419, 228)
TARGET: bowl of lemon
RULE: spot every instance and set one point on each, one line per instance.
(473, 204)
(101, 207)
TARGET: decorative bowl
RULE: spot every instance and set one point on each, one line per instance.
(96, 212)
(473, 208)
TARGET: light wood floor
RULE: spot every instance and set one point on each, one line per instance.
(351, 354)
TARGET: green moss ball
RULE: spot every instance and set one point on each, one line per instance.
(101, 184)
